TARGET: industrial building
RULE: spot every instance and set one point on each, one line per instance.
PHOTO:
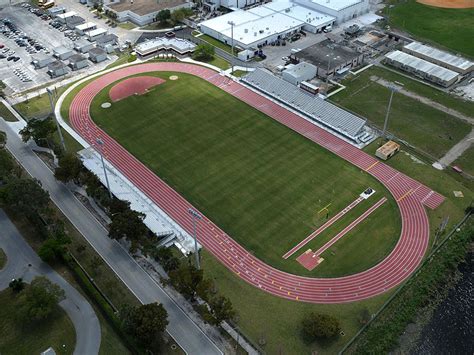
(85, 27)
(83, 46)
(97, 55)
(41, 60)
(63, 17)
(77, 61)
(297, 73)
(313, 107)
(74, 21)
(342, 10)
(93, 35)
(262, 25)
(422, 68)
(108, 40)
(329, 58)
(143, 12)
(62, 52)
(439, 57)
(178, 45)
(56, 69)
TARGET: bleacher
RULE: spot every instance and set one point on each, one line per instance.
(313, 107)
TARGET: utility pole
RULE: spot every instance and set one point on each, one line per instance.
(51, 102)
(101, 143)
(232, 24)
(385, 124)
(195, 215)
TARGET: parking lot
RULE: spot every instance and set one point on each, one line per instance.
(24, 34)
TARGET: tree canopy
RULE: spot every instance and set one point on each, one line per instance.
(24, 196)
(204, 52)
(69, 168)
(38, 130)
(320, 326)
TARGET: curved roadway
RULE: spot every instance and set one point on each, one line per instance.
(410, 195)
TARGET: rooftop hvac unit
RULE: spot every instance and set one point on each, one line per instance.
(287, 10)
(255, 34)
(261, 31)
(246, 30)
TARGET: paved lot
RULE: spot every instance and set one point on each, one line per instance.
(49, 37)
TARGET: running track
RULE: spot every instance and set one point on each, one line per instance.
(411, 197)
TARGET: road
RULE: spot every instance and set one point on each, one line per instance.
(183, 330)
(19, 256)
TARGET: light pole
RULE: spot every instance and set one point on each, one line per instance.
(61, 138)
(232, 24)
(100, 142)
(195, 215)
(385, 124)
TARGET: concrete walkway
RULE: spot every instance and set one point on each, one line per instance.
(457, 150)
(23, 262)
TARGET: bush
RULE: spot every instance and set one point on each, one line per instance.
(320, 326)
(204, 52)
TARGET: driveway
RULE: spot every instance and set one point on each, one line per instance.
(23, 262)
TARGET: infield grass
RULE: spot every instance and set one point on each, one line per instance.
(256, 179)
(451, 28)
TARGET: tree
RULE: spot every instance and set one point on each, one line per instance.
(39, 300)
(145, 323)
(177, 16)
(320, 326)
(24, 196)
(166, 258)
(186, 280)
(17, 285)
(38, 130)
(163, 16)
(221, 309)
(204, 52)
(54, 248)
(69, 168)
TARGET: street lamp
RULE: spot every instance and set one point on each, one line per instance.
(232, 24)
(101, 143)
(195, 215)
(61, 138)
(385, 124)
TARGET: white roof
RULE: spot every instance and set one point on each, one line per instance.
(441, 56)
(67, 14)
(336, 4)
(96, 32)
(260, 22)
(85, 26)
(178, 44)
(422, 65)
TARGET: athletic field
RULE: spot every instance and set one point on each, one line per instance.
(256, 179)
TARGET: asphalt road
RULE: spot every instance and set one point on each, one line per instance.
(19, 256)
(183, 330)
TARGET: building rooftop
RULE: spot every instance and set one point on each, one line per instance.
(441, 56)
(85, 26)
(107, 38)
(56, 65)
(76, 58)
(178, 44)
(422, 65)
(326, 54)
(61, 50)
(298, 69)
(67, 14)
(96, 51)
(144, 7)
(336, 4)
(96, 32)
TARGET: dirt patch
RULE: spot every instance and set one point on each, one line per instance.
(133, 86)
(449, 4)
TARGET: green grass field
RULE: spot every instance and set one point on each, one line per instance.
(423, 126)
(19, 338)
(6, 114)
(466, 161)
(256, 179)
(451, 28)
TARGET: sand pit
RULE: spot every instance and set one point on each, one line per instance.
(449, 4)
(133, 86)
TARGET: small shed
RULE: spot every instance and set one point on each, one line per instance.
(93, 35)
(299, 72)
(74, 21)
(388, 150)
(41, 60)
(77, 61)
(108, 39)
(83, 46)
(62, 52)
(97, 55)
(57, 68)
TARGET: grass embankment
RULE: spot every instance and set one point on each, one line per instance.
(216, 43)
(127, 25)
(382, 335)
(239, 73)
(260, 182)
(3, 258)
(451, 28)
(6, 114)
(423, 126)
(18, 337)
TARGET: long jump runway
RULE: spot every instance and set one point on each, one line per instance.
(410, 195)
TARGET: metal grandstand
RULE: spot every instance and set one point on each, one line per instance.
(313, 107)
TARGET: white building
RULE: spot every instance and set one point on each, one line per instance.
(297, 73)
(264, 24)
(85, 27)
(342, 10)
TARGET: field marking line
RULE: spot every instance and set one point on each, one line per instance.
(405, 195)
(370, 167)
(324, 208)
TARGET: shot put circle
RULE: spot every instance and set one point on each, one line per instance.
(106, 105)
(173, 77)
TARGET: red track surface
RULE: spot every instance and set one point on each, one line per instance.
(133, 86)
(411, 196)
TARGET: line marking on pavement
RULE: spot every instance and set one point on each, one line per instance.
(405, 195)
(370, 167)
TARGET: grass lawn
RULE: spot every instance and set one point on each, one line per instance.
(428, 129)
(127, 25)
(466, 161)
(451, 28)
(6, 114)
(38, 106)
(239, 73)
(253, 177)
(3, 258)
(217, 43)
(219, 62)
(19, 338)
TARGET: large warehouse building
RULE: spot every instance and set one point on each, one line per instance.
(342, 10)
(264, 24)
